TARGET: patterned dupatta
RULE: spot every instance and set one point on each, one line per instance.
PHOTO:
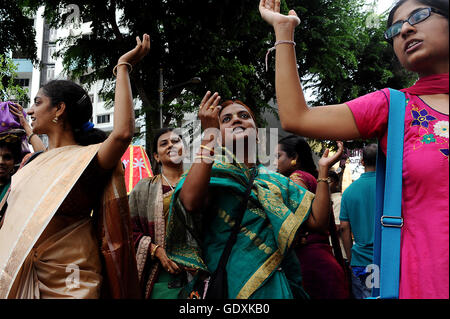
(276, 209)
(147, 213)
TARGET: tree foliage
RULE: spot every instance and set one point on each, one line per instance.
(9, 89)
(224, 43)
(17, 32)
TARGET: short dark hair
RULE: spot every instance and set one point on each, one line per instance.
(440, 5)
(370, 155)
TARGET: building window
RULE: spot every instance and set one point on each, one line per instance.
(51, 52)
(50, 73)
(22, 82)
(91, 96)
(103, 119)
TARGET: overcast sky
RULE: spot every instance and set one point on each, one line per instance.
(382, 5)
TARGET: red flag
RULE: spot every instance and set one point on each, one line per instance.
(137, 166)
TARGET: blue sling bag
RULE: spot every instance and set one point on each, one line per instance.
(388, 211)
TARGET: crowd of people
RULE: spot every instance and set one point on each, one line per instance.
(228, 227)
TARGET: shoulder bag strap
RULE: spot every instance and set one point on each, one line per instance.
(391, 221)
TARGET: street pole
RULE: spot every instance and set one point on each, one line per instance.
(161, 97)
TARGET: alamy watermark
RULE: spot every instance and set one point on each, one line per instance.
(258, 146)
(73, 279)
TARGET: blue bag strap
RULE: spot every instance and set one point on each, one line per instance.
(391, 220)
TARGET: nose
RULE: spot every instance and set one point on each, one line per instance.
(407, 29)
(235, 119)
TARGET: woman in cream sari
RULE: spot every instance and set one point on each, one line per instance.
(66, 232)
(149, 200)
(262, 264)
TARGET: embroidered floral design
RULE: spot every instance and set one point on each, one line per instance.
(441, 129)
(421, 118)
(429, 138)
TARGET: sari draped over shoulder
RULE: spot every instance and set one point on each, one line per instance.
(262, 263)
(148, 205)
(48, 249)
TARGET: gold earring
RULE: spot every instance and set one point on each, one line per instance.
(55, 120)
(294, 162)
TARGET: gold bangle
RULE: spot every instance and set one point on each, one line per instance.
(327, 180)
(207, 148)
(130, 67)
(154, 251)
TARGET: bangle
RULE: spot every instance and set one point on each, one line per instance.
(274, 47)
(154, 251)
(130, 67)
(207, 148)
(326, 180)
(29, 137)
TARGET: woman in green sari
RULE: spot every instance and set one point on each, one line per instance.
(149, 201)
(262, 264)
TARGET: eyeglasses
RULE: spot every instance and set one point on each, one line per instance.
(413, 19)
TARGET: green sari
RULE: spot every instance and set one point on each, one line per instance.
(261, 264)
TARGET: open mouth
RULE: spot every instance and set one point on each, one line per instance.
(238, 130)
(173, 153)
(412, 45)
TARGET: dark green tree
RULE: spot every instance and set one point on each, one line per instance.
(222, 42)
(16, 30)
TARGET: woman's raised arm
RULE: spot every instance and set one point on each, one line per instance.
(334, 122)
(117, 142)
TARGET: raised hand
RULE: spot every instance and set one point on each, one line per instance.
(326, 162)
(139, 52)
(17, 110)
(270, 12)
(209, 111)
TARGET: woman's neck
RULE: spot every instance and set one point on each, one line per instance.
(60, 139)
(172, 173)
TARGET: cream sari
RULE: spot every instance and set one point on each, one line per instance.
(48, 256)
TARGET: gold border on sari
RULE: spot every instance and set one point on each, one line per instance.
(31, 208)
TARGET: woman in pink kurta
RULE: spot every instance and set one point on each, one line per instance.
(425, 204)
(418, 31)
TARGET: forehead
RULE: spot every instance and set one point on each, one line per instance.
(5, 150)
(233, 108)
(406, 8)
(168, 136)
(41, 94)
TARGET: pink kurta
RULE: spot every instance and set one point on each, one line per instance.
(425, 202)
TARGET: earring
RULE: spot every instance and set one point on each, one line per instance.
(55, 120)
(294, 162)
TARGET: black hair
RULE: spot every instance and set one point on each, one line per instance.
(295, 145)
(333, 175)
(15, 149)
(439, 5)
(78, 109)
(369, 155)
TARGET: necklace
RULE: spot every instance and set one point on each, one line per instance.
(167, 181)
